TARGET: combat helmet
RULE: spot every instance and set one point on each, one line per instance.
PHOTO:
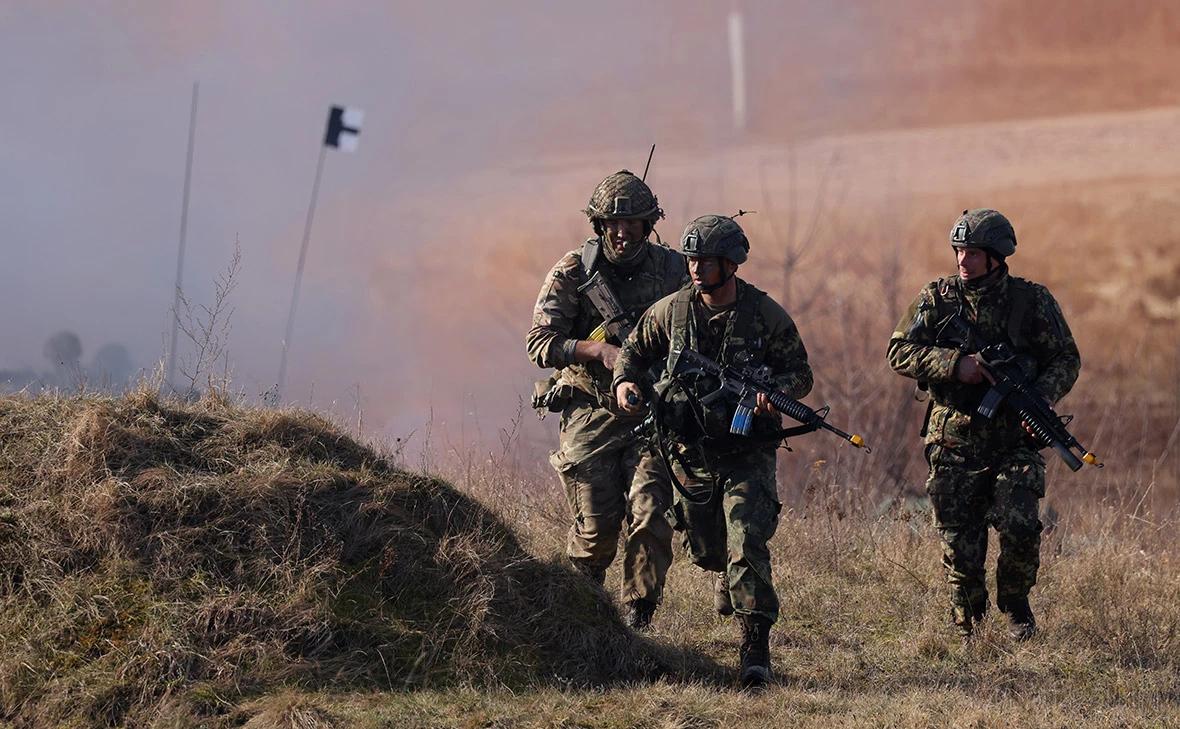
(715, 235)
(986, 229)
(622, 196)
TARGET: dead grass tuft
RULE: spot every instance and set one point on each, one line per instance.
(154, 554)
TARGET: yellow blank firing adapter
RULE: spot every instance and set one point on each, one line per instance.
(1092, 460)
(857, 441)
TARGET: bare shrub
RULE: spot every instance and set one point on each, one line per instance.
(207, 329)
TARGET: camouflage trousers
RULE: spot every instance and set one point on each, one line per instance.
(611, 480)
(731, 534)
(971, 490)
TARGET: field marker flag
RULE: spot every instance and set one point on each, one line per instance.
(344, 127)
(343, 131)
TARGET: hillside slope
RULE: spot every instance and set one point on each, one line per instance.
(187, 557)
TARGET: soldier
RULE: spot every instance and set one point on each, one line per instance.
(727, 505)
(985, 471)
(600, 462)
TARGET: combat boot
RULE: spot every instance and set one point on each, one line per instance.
(967, 616)
(1022, 625)
(639, 614)
(755, 652)
(721, 600)
(962, 616)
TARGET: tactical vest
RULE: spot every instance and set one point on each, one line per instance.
(740, 343)
(672, 275)
(1021, 297)
(636, 293)
(740, 331)
(947, 301)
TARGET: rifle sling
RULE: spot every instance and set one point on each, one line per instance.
(661, 447)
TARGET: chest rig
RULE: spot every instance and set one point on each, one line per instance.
(949, 299)
(642, 288)
(740, 342)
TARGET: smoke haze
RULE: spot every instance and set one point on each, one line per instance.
(486, 127)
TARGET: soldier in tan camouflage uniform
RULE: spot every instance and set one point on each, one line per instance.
(609, 477)
(732, 506)
(985, 471)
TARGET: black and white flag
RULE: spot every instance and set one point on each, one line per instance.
(344, 127)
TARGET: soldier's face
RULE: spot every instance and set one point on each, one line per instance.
(973, 262)
(623, 236)
(708, 271)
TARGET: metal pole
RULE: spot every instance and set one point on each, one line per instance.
(315, 190)
(188, 174)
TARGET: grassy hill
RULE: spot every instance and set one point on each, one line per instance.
(207, 565)
(158, 558)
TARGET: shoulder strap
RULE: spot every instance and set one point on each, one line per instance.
(741, 328)
(1020, 298)
(747, 311)
(946, 291)
(590, 251)
(683, 333)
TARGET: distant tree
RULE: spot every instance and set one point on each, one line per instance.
(63, 349)
(64, 352)
(111, 368)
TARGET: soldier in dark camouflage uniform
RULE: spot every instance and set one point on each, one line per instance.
(985, 471)
(730, 321)
(609, 478)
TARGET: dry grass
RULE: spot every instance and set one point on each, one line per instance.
(207, 565)
(204, 564)
(864, 642)
(156, 555)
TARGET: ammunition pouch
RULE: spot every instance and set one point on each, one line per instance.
(552, 394)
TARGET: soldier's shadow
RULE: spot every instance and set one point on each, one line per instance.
(668, 662)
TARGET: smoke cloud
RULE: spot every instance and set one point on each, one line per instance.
(486, 127)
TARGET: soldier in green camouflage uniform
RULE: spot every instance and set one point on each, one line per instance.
(985, 471)
(730, 321)
(608, 476)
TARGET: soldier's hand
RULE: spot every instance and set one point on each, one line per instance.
(607, 354)
(630, 397)
(971, 372)
(588, 350)
(765, 406)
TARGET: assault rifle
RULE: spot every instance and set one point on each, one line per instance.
(1011, 385)
(617, 322)
(743, 383)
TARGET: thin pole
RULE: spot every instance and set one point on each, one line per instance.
(188, 174)
(315, 191)
(737, 66)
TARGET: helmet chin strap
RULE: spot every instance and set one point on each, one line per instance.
(710, 288)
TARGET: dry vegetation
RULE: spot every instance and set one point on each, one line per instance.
(208, 565)
(205, 564)
(160, 559)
